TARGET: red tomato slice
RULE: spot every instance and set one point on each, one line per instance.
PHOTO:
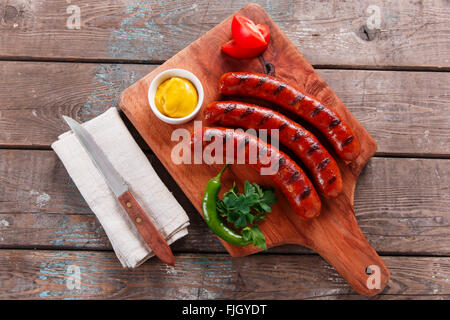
(246, 33)
(232, 49)
(236, 51)
(264, 31)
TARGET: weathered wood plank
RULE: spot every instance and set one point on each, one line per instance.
(43, 231)
(402, 206)
(26, 274)
(404, 111)
(378, 34)
(31, 109)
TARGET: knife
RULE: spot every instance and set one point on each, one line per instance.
(146, 229)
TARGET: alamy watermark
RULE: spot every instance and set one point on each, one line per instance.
(73, 22)
(374, 279)
(73, 281)
(374, 20)
(226, 146)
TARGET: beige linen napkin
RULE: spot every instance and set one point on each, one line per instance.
(110, 133)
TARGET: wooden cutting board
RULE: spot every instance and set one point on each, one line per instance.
(335, 234)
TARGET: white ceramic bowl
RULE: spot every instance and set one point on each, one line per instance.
(167, 74)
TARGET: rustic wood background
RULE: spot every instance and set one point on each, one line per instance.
(394, 78)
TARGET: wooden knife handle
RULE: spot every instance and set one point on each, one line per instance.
(148, 231)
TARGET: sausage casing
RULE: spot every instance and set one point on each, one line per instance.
(269, 88)
(288, 176)
(323, 168)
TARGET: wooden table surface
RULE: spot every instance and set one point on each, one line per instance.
(389, 62)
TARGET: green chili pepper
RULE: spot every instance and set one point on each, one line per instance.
(211, 217)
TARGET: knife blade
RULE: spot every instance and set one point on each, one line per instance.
(118, 186)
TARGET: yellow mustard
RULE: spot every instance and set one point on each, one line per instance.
(176, 97)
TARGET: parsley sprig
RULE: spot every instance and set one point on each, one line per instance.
(243, 210)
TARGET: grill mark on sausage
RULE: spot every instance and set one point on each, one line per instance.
(297, 135)
(230, 108)
(294, 177)
(332, 179)
(305, 193)
(334, 123)
(284, 125)
(261, 82)
(281, 162)
(247, 112)
(246, 141)
(299, 97)
(317, 110)
(313, 148)
(243, 77)
(266, 117)
(347, 141)
(323, 164)
(279, 89)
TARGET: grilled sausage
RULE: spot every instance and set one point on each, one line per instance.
(286, 174)
(262, 86)
(323, 167)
